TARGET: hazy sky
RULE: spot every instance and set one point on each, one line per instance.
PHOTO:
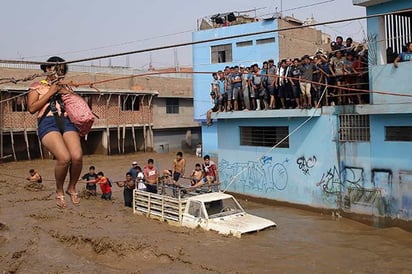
(35, 30)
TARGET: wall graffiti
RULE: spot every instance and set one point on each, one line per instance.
(262, 176)
(349, 183)
(306, 164)
(353, 177)
(405, 187)
(330, 181)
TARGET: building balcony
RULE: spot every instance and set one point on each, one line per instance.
(277, 113)
(367, 3)
(390, 80)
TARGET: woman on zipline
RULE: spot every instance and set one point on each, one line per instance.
(56, 132)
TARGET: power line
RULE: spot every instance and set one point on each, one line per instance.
(110, 46)
(301, 7)
(204, 41)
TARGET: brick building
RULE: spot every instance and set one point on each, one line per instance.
(145, 113)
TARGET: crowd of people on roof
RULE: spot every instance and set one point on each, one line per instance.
(294, 83)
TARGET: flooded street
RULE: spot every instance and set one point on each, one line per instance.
(105, 237)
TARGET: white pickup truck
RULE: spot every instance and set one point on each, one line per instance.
(215, 211)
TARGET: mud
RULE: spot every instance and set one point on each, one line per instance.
(105, 237)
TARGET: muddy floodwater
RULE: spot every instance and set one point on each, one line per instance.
(105, 237)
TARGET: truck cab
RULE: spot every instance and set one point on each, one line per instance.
(221, 212)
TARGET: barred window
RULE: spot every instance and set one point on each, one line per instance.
(130, 102)
(244, 43)
(172, 106)
(19, 103)
(265, 41)
(221, 53)
(264, 136)
(398, 32)
(400, 134)
(354, 128)
(88, 99)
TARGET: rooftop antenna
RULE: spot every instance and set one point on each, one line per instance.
(150, 63)
(281, 7)
(176, 60)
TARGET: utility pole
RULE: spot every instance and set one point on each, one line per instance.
(281, 8)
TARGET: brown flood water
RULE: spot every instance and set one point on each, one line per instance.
(105, 237)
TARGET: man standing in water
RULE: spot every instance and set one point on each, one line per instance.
(152, 176)
(129, 184)
(90, 179)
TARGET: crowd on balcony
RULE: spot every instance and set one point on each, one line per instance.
(295, 83)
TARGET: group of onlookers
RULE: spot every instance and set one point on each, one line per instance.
(149, 178)
(296, 83)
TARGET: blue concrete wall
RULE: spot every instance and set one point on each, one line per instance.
(209, 140)
(240, 55)
(387, 78)
(305, 173)
(373, 178)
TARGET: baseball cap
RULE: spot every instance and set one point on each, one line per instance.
(134, 163)
(241, 66)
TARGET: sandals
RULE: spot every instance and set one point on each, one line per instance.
(74, 197)
(60, 202)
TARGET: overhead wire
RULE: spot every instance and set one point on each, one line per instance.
(110, 46)
(203, 41)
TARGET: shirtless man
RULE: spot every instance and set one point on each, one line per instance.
(34, 177)
(178, 169)
(128, 184)
(197, 174)
(35, 180)
(210, 172)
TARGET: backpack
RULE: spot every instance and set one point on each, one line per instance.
(40, 179)
(78, 112)
(110, 182)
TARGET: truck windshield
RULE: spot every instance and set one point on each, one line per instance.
(224, 207)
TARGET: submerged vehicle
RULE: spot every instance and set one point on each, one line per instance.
(216, 211)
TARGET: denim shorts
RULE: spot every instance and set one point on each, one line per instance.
(48, 124)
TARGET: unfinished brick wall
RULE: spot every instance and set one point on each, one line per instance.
(298, 42)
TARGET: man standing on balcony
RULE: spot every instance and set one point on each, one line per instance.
(404, 56)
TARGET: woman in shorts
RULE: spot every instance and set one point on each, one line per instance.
(56, 132)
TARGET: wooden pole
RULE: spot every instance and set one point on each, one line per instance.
(144, 124)
(107, 124)
(118, 124)
(133, 134)
(12, 144)
(124, 137)
(40, 146)
(26, 139)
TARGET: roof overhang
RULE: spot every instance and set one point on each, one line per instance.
(87, 90)
(368, 3)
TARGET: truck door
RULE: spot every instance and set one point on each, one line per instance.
(195, 215)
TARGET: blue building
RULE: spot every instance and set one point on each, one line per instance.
(353, 158)
(246, 50)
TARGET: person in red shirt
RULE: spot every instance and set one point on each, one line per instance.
(104, 186)
(152, 176)
(210, 172)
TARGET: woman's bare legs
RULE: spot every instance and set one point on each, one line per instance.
(72, 141)
(68, 153)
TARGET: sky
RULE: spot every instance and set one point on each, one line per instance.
(35, 30)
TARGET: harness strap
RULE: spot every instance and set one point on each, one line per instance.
(52, 107)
